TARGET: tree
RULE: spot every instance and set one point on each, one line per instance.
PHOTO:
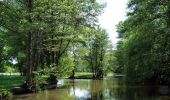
(98, 46)
(47, 29)
(144, 48)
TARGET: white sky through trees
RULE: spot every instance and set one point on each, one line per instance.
(114, 12)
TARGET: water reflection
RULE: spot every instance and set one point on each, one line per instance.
(108, 89)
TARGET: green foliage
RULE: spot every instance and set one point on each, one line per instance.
(63, 69)
(9, 69)
(143, 52)
(5, 94)
(111, 62)
(48, 30)
(66, 65)
(98, 46)
(80, 61)
(1, 54)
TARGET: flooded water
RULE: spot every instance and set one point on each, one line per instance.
(107, 89)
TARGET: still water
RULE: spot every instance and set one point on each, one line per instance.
(107, 89)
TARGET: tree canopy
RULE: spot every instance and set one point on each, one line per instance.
(143, 51)
(42, 35)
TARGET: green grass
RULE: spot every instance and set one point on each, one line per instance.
(8, 82)
(88, 75)
(83, 75)
(110, 74)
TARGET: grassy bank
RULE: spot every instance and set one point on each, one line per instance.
(83, 75)
(10, 81)
(88, 75)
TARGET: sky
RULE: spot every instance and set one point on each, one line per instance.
(114, 12)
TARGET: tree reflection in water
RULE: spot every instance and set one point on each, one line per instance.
(113, 90)
(93, 90)
(107, 89)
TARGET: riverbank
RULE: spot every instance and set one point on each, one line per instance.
(82, 75)
(88, 75)
(7, 83)
(10, 81)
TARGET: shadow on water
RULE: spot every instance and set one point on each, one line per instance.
(107, 89)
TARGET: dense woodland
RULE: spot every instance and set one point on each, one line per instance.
(46, 40)
(143, 53)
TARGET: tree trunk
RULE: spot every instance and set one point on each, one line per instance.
(29, 77)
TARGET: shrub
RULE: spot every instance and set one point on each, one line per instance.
(5, 94)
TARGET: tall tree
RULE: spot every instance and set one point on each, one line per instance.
(47, 29)
(98, 46)
(145, 45)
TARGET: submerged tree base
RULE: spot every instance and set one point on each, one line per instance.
(21, 90)
(24, 89)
